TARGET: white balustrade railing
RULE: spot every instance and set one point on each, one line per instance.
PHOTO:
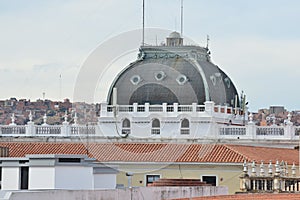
(83, 130)
(270, 131)
(185, 108)
(12, 130)
(165, 108)
(223, 131)
(232, 130)
(48, 130)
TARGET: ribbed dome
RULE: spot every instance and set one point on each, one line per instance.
(173, 74)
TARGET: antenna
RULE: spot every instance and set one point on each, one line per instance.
(143, 34)
(181, 19)
(60, 85)
(207, 41)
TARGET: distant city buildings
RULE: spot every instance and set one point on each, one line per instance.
(54, 110)
(88, 113)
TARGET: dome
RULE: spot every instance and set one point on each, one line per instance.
(174, 35)
(173, 74)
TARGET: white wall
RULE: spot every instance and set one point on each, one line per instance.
(146, 193)
(73, 177)
(105, 181)
(41, 178)
(10, 178)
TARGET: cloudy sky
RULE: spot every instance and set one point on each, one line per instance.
(257, 43)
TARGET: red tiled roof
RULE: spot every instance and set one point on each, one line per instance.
(266, 154)
(269, 196)
(156, 152)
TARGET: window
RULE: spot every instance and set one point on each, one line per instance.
(126, 126)
(181, 79)
(155, 127)
(159, 76)
(151, 178)
(185, 127)
(69, 160)
(210, 180)
(24, 178)
(136, 79)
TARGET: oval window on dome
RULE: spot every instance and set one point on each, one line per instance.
(136, 79)
(159, 76)
(181, 79)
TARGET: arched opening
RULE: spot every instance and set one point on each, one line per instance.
(155, 127)
(126, 126)
(185, 127)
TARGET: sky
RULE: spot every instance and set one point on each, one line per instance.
(43, 44)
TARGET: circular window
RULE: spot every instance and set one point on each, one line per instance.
(181, 79)
(136, 79)
(159, 76)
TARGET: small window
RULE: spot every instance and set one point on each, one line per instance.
(159, 76)
(151, 178)
(155, 127)
(126, 127)
(210, 180)
(181, 79)
(126, 123)
(185, 127)
(136, 79)
(69, 160)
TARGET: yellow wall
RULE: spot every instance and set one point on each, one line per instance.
(227, 175)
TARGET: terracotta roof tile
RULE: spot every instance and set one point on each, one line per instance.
(156, 152)
(266, 153)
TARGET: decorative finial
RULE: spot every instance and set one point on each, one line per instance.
(66, 116)
(270, 168)
(251, 117)
(293, 170)
(30, 116)
(12, 119)
(245, 167)
(262, 170)
(277, 168)
(289, 117)
(253, 171)
(75, 118)
(45, 120)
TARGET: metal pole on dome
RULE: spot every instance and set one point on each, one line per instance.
(181, 19)
(143, 34)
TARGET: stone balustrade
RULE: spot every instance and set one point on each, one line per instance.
(269, 178)
(217, 122)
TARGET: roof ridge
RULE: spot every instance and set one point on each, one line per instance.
(230, 147)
